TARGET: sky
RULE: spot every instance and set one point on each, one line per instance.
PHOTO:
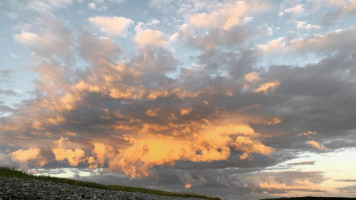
(236, 99)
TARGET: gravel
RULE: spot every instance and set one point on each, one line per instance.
(18, 188)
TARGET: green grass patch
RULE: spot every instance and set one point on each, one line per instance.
(8, 172)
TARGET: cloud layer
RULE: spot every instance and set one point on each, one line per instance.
(209, 98)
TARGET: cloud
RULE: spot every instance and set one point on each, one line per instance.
(285, 182)
(318, 43)
(305, 25)
(207, 113)
(252, 77)
(267, 87)
(163, 5)
(46, 8)
(308, 133)
(299, 185)
(26, 37)
(346, 180)
(112, 26)
(274, 45)
(296, 10)
(226, 25)
(9, 92)
(343, 8)
(303, 163)
(316, 145)
(24, 156)
(150, 38)
(6, 72)
(147, 151)
(227, 16)
(349, 189)
(10, 15)
(72, 156)
(5, 108)
(133, 103)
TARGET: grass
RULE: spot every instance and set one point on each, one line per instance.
(311, 198)
(8, 172)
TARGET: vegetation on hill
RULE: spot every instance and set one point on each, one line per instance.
(8, 172)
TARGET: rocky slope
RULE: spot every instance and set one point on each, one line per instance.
(18, 188)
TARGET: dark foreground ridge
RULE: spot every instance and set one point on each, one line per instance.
(311, 198)
(19, 185)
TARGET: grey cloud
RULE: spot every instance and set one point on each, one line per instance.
(5, 108)
(8, 92)
(331, 17)
(337, 41)
(6, 72)
(81, 105)
(230, 183)
(349, 189)
(96, 50)
(346, 180)
(303, 163)
(216, 37)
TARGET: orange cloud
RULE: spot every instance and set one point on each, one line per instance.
(267, 87)
(206, 142)
(185, 111)
(153, 112)
(100, 153)
(296, 185)
(25, 155)
(252, 77)
(316, 145)
(309, 134)
(72, 156)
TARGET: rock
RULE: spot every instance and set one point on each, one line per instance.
(26, 184)
(17, 188)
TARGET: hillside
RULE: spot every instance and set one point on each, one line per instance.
(19, 185)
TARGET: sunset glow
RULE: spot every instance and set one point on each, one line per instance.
(237, 99)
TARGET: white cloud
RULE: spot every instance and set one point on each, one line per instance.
(47, 6)
(112, 26)
(227, 16)
(273, 45)
(296, 10)
(26, 37)
(150, 37)
(305, 25)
